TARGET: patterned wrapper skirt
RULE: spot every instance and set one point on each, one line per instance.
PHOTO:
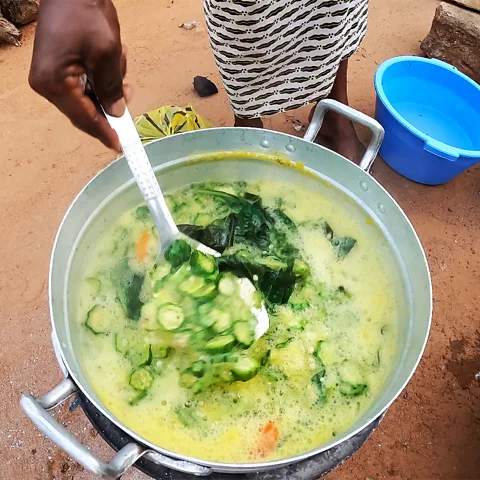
(277, 55)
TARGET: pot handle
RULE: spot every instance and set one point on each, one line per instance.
(36, 410)
(323, 106)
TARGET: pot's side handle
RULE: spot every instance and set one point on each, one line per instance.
(377, 130)
(36, 410)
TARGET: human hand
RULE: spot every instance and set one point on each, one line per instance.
(76, 39)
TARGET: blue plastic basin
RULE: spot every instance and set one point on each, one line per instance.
(431, 115)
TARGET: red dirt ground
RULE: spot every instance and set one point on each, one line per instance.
(431, 432)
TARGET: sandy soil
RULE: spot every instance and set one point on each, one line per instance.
(432, 430)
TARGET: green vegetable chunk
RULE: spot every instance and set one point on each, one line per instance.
(99, 320)
(192, 284)
(220, 344)
(142, 212)
(206, 293)
(300, 268)
(343, 246)
(244, 333)
(133, 344)
(171, 316)
(148, 317)
(159, 274)
(178, 253)
(245, 368)
(198, 368)
(141, 379)
(221, 320)
(187, 379)
(228, 285)
(203, 265)
(157, 365)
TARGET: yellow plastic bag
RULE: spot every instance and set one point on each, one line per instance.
(169, 120)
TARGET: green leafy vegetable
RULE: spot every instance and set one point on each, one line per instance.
(319, 378)
(319, 381)
(316, 352)
(343, 246)
(128, 286)
(256, 230)
(178, 253)
(218, 236)
(352, 390)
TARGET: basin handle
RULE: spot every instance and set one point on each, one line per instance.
(442, 150)
(37, 410)
(323, 106)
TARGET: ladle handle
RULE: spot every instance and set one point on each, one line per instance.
(355, 116)
(142, 170)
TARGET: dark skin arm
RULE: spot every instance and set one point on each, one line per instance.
(76, 39)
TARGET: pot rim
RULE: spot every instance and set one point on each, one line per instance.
(226, 467)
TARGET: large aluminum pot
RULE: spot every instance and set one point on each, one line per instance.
(233, 154)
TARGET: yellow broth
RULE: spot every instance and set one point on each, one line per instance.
(357, 327)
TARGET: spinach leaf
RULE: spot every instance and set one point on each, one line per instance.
(277, 285)
(343, 246)
(352, 390)
(278, 238)
(251, 220)
(258, 230)
(218, 236)
(319, 381)
(252, 198)
(279, 216)
(178, 253)
(319, 378)
(128, 286)
(252, 226)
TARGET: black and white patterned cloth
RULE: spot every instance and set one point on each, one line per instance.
(277, 55)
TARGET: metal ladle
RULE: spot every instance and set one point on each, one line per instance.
(144, 175)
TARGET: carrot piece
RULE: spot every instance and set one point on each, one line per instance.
(268, 439)
(142, 246)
